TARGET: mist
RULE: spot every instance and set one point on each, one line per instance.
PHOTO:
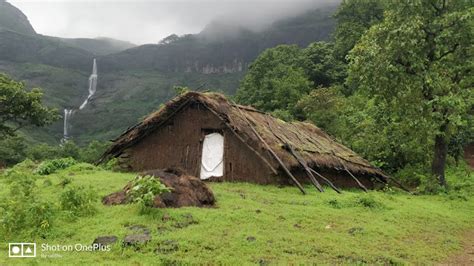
(149, 21)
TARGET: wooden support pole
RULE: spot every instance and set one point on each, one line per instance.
(357, 180)
(399, 185)
(272, 152)
(303, 163)
(326, 180)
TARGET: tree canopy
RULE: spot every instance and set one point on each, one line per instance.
(395, 84)
(19, 107)
(413, 64)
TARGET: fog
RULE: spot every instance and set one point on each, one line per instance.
(148, 21)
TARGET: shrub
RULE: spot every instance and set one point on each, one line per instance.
(83, 167)
(112, 165)
(25, 167)
(144, 189)
(92, 152)
(429, 185)
(22, 213)
(368, 201)
(78, 201)
(43, 151)
(12, 150)
(51, 166)
(334, 203)
(64, 181)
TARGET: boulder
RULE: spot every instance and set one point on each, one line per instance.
(186, 190)
(136, 239)
(103, 241)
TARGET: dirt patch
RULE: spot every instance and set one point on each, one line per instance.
(185, 191)
(466, 255)
(469, 154)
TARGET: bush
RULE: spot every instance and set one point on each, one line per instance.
(22, 213)
(51, 166)
(44, 151)
(64, 181)
(112, 165)
(12, 150)
(144, 189)
(368, 201)
(83, 168)
(78, 201)
(93, 151)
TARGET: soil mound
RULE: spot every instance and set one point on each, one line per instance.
(185, 191)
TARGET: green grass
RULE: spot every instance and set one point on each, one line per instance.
(254, 224)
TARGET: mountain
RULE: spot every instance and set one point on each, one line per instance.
(135, 80)
(11, 18)
(223, 47)
(97, 46)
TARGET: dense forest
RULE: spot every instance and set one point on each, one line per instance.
(393, 84)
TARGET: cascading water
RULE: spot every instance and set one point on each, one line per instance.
(92, 85)
(69, 112)
(67, 116)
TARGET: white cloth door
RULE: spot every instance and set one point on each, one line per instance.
(212, 162)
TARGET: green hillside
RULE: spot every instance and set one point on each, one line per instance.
(251, 224)
(97, 46)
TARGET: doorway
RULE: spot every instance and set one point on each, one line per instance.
(212, 159)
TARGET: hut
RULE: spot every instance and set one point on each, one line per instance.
(208, 136)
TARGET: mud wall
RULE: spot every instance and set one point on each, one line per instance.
(178, 144)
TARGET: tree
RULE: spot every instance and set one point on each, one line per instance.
(19, 107)
(323, 68)
(413, 65)
(276, 80)
(354, 18)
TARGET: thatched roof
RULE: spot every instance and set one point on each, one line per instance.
(316, 147)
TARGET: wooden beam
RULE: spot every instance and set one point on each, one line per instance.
(326, 180)
(357, 180)
(303, 163)
(399, 184)
(272, 152)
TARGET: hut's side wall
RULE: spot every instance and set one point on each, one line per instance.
(179, 145)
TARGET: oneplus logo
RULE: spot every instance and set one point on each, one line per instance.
(22, 250)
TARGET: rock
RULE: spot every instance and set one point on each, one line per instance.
(115, 198)
(136, 239)
(251, 238)
(167, 246)
(355, 230)
(102, 241)
(138, 228)
(187, 220)
(185, 191)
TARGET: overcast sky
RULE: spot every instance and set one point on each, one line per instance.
(148, 21)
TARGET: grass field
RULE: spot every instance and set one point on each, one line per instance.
(254, 224)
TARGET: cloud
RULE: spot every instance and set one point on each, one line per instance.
(148, 21)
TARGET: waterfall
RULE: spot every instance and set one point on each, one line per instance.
(69, 112)
(67, 117)
(92, 85)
